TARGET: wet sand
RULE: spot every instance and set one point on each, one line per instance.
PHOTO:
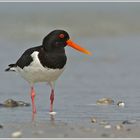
(115, 76)
(111, 32)
(54, 129)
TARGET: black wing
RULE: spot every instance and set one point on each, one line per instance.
(26, 58)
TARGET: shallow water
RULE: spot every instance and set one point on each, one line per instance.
(112, 71)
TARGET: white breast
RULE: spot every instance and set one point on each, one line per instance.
(35, 72)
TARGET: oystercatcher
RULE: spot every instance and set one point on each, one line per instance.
(46, 62)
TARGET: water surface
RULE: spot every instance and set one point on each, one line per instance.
(112, 71)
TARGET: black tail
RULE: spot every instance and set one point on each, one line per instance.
(10, 67)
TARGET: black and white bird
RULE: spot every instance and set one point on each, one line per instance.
(46, 62)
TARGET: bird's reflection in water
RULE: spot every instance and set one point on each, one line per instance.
(33, 116)
(52, 118)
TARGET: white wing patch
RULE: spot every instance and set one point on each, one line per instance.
(35, 72)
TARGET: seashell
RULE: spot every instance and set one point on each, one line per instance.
(105, 101)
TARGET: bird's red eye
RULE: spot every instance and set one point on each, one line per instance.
(61, 36)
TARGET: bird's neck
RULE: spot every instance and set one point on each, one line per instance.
(55, 58)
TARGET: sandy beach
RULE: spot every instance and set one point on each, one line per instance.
(52, 129)
(111, 31)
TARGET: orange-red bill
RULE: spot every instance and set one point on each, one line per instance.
(77, 47)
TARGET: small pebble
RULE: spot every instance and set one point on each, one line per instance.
(105, 135)
(103, 123)
(129, 122)
(13, 103)
(121, 104)
(105, 101)
(119, 127)
(16, 134)
(93, 120)
(1, 105)
(21, 103)
(10, 103)
(128, 129)
(72, 128)
(1, 126)
(108, 126)
(39, 132)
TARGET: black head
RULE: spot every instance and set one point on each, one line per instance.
(55, 40)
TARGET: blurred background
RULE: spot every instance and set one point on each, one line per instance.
(111, 31)
(93, 19)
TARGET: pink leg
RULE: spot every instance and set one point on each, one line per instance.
(33, 97)
(51, 100)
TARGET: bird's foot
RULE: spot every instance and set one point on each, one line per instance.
(52, 113)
